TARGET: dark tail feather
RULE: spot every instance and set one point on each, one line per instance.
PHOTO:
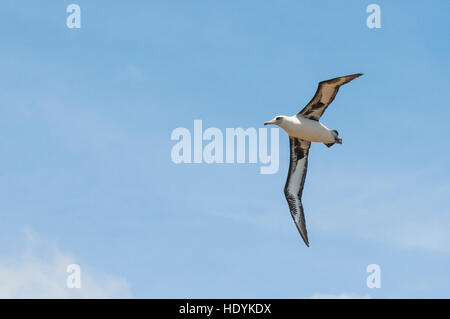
(336, 139)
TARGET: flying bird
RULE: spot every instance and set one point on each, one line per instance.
(304, 128)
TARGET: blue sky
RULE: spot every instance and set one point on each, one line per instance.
(85, 123)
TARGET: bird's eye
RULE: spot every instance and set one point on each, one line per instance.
(278, 118)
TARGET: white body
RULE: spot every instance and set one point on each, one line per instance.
(308, 130)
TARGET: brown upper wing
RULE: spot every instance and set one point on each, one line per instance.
(325, 94)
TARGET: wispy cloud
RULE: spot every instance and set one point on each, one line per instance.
(130, 73)
(402, 209)
(39, 271)
(408, 210)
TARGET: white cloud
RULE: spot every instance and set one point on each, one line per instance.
(340, 296)
(39, 271)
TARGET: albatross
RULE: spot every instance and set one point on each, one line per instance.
(304, 128)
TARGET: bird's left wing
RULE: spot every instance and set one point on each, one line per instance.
(325, 94)
(294, 184)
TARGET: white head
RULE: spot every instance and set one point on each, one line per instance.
(277, 120)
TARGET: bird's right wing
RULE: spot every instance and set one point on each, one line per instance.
(294, 184)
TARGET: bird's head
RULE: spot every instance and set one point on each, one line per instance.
(277, 120)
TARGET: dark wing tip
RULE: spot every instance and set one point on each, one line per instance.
(305, 238)
(342, 79)
(302, 230)
(351, 77)
(357, 75)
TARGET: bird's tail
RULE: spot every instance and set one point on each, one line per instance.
(336, 139)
